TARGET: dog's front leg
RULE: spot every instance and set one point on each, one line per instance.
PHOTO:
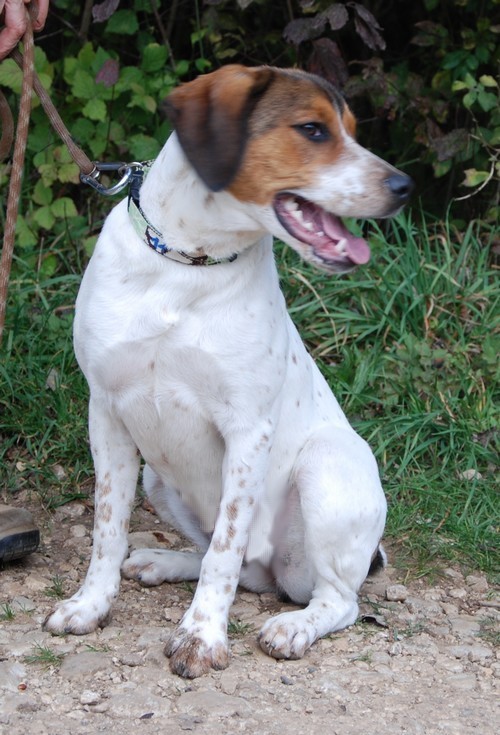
(116, 463)
(200, 641)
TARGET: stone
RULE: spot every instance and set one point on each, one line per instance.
(396, 593)
(89, 697)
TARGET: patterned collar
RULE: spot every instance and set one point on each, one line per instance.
(148, 232)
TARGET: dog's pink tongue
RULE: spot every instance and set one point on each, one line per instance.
(356, 248)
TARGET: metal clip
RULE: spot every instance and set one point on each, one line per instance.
(124, 169)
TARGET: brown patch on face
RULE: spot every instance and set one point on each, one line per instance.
(278, 157)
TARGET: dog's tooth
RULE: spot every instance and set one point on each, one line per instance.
(291, 205)
(320, 233)
(308, 226)
(298, 216)
(341, 245)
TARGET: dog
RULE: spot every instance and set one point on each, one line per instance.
(194, 364)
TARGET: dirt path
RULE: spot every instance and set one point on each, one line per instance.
(422, 662)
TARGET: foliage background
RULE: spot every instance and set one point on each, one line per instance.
(410, 343)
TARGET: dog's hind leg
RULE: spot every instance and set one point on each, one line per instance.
(325, 555)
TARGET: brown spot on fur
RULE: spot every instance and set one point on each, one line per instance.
(103, 488)
(104, 512)
(218, 546)
(232, 510)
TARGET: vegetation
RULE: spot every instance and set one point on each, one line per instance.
(409, 343)
(44, 656)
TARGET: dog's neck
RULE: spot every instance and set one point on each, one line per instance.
(179, 205)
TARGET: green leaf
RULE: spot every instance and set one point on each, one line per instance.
(123, 22)
(42, 194)
(86, 55)
(68, 173)
(83, 86)
(154, 57)
(488, 81)
(143, 147)
(441, 168)
(70, 65)
(144, 101)
(25, 236)
(470, 81)
(44, 217)
(48, 173)
(11, 75)
(83, 130)
(89, 244)
(48, 266)
(95, 109)
(469, 99)
(182, 68)
(458, 85)
(474, 178)
(202, 65)
(487, 100)
(63, 208)
(129, 76)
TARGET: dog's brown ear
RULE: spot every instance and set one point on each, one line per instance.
(210, 116)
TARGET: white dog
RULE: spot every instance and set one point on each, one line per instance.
(193, 362)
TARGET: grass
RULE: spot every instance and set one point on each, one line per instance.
(44, 656)
(409, 344)
(56, 590)
(238, 629)
(6, 612)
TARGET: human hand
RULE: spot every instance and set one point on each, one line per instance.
(13, 17)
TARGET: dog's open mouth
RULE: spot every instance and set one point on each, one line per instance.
(329, 238)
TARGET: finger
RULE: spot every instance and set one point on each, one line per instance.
(43, 9)
(9, 38)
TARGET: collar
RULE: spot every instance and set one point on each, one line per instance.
(148, 232)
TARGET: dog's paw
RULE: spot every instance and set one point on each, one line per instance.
(145, 566)
(288, 635)
(76, 616)
(150, 567)
(190, 656)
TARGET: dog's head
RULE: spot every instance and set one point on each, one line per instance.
(284, 141)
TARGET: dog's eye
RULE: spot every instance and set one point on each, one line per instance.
(318, 132)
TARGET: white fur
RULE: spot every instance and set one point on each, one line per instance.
(201, 370)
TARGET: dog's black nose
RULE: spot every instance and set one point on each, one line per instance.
(400, 185)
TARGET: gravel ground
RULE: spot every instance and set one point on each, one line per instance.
(421, 659)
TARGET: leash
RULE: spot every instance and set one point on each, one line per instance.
(89, 170)
(130, 173)
(17, 161)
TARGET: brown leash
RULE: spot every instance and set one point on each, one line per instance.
(17, 167)
(89, 170)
